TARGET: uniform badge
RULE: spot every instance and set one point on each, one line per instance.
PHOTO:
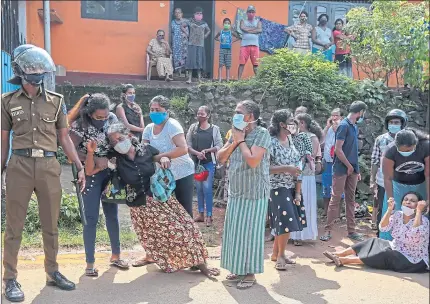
(16, 111)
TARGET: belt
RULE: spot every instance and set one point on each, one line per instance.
(37, 153)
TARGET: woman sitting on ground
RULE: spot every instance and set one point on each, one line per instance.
(159, 53)
(165, 230)
(407, 253)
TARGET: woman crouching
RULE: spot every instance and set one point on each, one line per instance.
(165, 230)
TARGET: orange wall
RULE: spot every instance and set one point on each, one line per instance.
(99, 46)
(276, 11)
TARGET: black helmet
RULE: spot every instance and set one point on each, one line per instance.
(396, 114)
(31, 63)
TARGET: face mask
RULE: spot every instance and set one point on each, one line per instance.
(123, 146)
(251, 16)
(406, 154)
(98, 124)
(393, 129)
(360, 120)
(238, 122)
(323, 21)
(202, 118)
(198, 17)
(33, 79)
(303, 19)
(227, 26)
(158, 117)
(130, 98)
(407, 211)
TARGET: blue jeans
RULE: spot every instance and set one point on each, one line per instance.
(205, 191)
(95, 185)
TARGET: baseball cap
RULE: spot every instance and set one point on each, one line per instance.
(251, 8)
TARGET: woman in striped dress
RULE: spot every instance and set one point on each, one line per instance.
(248, 153)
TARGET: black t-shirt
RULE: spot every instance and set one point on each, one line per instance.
(136, 174)
(409, 170)
(202, 139)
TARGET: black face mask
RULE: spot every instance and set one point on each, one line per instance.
(34, 79)
(98, 124)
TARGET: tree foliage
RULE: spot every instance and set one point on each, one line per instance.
(391, 38)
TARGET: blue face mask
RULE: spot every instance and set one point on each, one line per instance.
(406, 154)
(238, 122)
(158, 117)
(360, 120)
(130, 98)
(393, 129)
(98, 124)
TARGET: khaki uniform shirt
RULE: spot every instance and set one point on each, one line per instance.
(34, 121)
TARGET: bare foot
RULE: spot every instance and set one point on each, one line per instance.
(209, 272)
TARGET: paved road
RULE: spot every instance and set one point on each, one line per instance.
(310, 281)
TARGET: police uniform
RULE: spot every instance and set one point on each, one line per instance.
(32, 167)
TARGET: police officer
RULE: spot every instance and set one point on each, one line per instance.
(36, 116)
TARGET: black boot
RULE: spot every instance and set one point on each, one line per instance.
(13, 291)
(57, 279)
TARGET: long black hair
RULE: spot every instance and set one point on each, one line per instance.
(410, 137)
(124, 90)
(336, 21)
(279, 116)
(311, 125)
(94, 102)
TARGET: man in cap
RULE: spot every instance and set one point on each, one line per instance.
(250, 47)
(395, 121)
(37, 118)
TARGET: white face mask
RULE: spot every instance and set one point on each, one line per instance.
(407, 211)
(123, 146)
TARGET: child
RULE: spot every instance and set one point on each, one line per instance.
(226, 39)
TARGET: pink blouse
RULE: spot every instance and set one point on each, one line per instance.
(412, 242)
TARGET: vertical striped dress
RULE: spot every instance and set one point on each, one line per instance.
(249, 191)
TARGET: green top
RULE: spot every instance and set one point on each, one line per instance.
(246, 182)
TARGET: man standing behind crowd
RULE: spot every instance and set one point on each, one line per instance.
(329, 133)
(395, 121)
(346, 172)
(250, 47)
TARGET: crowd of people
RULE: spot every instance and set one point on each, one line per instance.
(271, 173)
(187, 51)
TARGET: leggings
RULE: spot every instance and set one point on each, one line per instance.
(184, 192)
(95, 185)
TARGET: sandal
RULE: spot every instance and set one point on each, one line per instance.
(246, 283)
(290, 261)
(334, 258)
(297, 243)
(281, 265)
(356, 237)
(120, 264)
(374, 226)
(143, 262)
(91, 272)
(200, 218)
(326, 238)
(209, 221)
(233, 277)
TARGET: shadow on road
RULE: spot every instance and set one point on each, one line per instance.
(153, 287)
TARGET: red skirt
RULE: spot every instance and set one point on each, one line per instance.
(169, 235)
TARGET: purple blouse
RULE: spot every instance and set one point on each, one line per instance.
(412, 242)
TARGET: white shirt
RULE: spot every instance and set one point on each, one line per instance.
(329, 142)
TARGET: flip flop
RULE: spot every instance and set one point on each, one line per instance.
(325, 238)
(120, 264)
(334, 258)
(297, 243)
(245, 284)
(142, 263)
(234, 277)
(281, 266)
(356, 237)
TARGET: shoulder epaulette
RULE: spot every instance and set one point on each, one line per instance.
(55, 93)
(4, 95)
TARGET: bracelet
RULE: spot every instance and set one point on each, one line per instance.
(240, 142)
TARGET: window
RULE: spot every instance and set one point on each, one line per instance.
(125, 10)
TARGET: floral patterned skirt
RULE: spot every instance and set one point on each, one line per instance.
(169, 235)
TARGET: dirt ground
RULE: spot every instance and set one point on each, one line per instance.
(313, 280)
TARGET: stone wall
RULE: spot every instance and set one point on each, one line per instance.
(222, 99)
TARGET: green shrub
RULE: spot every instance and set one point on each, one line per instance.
(307, 80)
(61, 157)
(180, 109)
(372, 92)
